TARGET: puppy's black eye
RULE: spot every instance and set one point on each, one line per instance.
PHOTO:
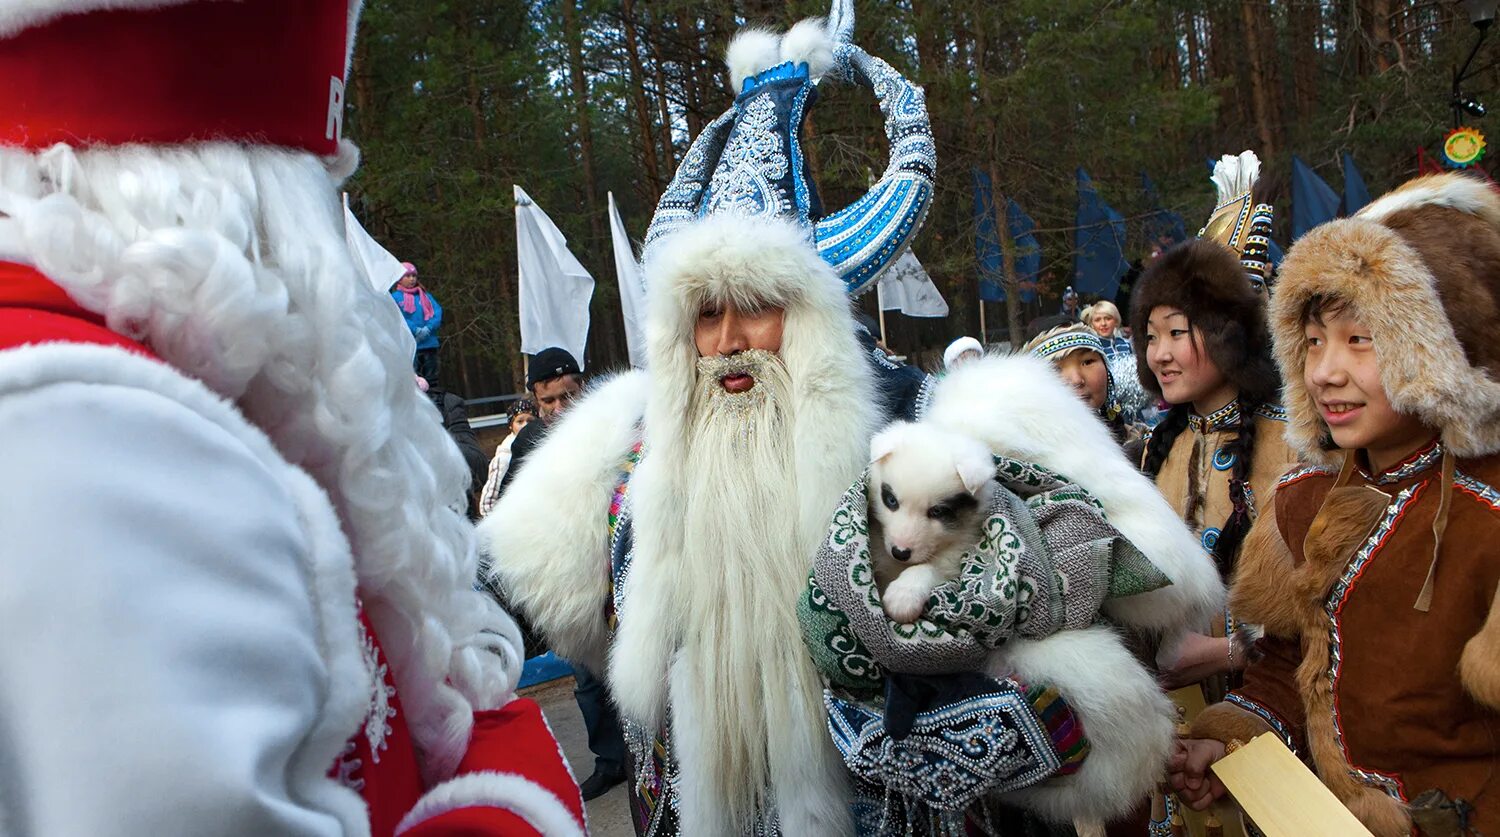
(942, 513)
(888, 497)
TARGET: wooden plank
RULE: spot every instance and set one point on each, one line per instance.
(1281, 795)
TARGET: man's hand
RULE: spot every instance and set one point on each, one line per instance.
(1198, 657)
(1191, 761)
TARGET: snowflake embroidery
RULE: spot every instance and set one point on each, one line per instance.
(378, 716)
(346, 769)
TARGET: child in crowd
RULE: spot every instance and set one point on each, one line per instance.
(1078, 355)
(521, 414)
(1373, 569)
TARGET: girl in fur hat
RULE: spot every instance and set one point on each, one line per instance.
(1202, 345)
(1373, 569)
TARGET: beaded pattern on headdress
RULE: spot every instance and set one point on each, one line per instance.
(1237, 222)
(750, 162)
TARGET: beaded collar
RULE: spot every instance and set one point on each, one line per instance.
(1220, 419)
(1409, 467)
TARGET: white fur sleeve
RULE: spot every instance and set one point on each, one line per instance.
(177, 605)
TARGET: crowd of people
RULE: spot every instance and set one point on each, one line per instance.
(1256, 506)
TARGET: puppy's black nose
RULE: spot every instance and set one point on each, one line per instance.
(900, 554)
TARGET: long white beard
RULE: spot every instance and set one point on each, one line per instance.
(751, 684)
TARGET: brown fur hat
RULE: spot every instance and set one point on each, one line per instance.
(1421, 269)
(1205, 280)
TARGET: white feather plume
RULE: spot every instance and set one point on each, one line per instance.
(809, 42)
(750, 52)
(1234, 176)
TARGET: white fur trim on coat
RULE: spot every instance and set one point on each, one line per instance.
(1127, 719)
(538, 806)
(90, 394)
(1019, 406)
(547, 540)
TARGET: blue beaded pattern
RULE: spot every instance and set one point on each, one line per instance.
(750, 162)
(1210, 539)
(1481, 491)
(1224, 459)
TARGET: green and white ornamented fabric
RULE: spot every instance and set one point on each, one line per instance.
(1046, 560)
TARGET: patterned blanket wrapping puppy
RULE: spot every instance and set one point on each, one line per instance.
(1044, 559)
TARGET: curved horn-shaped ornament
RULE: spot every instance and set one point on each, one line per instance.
(681, 202)
(863, 239)
(841, 21)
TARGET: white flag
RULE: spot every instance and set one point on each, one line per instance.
(907, 288)
(555, 288)
(632, 287)
(381, 268)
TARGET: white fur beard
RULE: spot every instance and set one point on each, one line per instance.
(752, 696)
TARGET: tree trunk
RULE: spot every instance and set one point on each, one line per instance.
(1260, 49)
(663, 99)
(1305, 20)
(1194, 48)
(637, 82)
(585, 131)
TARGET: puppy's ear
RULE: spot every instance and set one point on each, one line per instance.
(974, 463)
(886, 441)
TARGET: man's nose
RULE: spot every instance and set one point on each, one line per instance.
(731, 338)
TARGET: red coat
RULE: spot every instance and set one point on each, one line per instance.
(512, 780)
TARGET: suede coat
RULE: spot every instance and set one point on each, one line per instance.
(1387, 701)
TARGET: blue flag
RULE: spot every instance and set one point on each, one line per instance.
(1355, 193)
(1161, 227)
(1099, 243)
(991, 255)
(1313, 202)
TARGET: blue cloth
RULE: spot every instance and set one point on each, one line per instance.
(423, 329)
(990, 253)
(543, 669)
(1099, 241)
(1313, 202)
(1162, 226)
(1115, 346)
(1356, 195)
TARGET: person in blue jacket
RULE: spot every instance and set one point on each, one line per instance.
(423, 316)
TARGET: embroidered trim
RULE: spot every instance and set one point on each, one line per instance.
(1067, 342)
(378, 716)
(1478, 490)
(1274, 412)
(1271, 718)
(1299, 474)
(1334, 606)
(1221, 419)
(1409, 467)
(924, 397)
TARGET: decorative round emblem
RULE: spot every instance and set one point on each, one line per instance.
(1210, 539)
(1463, 147)
(1224, 459)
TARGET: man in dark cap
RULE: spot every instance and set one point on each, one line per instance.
(554, 379)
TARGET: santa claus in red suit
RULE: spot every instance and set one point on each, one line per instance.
(236, 581)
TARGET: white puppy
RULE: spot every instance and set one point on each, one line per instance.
(929, 491)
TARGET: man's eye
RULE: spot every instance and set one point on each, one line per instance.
(1360, 339)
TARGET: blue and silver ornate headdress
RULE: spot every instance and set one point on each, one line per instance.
(750, 162)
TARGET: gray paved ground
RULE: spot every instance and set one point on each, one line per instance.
(609, 815)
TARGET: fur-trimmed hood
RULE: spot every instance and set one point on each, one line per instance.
(1421, 268)
(1205, 280)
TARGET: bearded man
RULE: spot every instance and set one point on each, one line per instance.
(696, 494)
(237, 590)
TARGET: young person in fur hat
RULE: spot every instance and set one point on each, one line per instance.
(699, 491)
(1373, 571)
(258, 617)
(1078, 355)
(1202, 344)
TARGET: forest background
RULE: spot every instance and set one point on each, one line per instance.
(454, 101)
